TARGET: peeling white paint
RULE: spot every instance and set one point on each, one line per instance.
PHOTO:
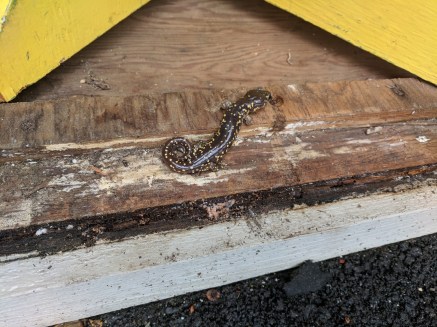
(238, 140)
(373, 130)
(400, 143)
(422, 139)
(69, 182)
(342, 150)
(150, 180)
(261, 131)
(296, 153)
(310, 154)
(300, 124)
(108, 145)
(293, 87)
(150, 170)
(100, 145)
(220, 176)
(41, 231)
(258, 139)
(17, 216)
(364, 141)
(289, 129)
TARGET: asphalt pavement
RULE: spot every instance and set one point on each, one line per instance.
(394, 285)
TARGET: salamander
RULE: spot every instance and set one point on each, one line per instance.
(184, 157)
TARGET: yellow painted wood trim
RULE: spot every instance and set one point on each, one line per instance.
(36, 36)
(401, 32)
(5, 5)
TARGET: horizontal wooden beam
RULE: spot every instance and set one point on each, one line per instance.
(95, 164)
(46, 290)
(78, 122)
(79, 157)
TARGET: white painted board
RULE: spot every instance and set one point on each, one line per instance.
(110, 276)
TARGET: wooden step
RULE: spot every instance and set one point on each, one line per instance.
(88, 210)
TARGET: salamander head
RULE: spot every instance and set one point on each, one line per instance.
(258, 98)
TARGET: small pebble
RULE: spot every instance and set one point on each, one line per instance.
(373, 130)
(422, 139)
(41, 231)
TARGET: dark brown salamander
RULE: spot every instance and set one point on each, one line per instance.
(183, 157)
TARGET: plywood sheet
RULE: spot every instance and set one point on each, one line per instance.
(401, 32)
(169, 46)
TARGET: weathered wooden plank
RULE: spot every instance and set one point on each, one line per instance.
(323, 135)
(140, 118)
(151, 267)
(211, 44)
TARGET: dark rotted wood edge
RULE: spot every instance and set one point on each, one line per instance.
(68, 235)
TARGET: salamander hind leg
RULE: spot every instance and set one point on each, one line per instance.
(207, 167)
(213, 167)
(199, 147)
(217, 163)
(247, 120)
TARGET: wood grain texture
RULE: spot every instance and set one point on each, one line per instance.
(187, 44)
(403, 33)
(89, 122)
(108, 160)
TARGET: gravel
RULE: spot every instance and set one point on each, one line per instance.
(394, 285)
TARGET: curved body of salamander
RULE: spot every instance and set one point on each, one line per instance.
(183, 157)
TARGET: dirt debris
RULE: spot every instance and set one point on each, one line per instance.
(218, 211)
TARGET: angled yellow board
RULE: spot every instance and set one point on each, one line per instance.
(399, 31)
(37, 35)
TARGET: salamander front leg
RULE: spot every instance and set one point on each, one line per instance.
(226, 105)
(247, 120)
(208, 167)
(213, 167)
(199, 147)
(217, 164)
